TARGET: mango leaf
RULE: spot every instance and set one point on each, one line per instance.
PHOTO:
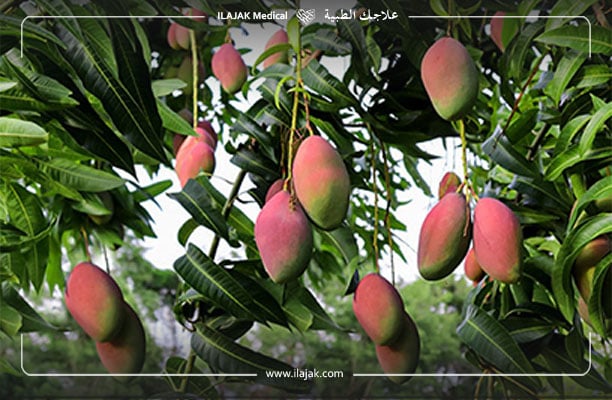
(566, 69)
(15, 132)
(224, 355)
(598, 308)
(596, 123)
(322, 82)
(577, 38)
(129, 101)
(567, 10)
(216, 284)
(326, 40)
(165, 87)
(31, 321)
(569, 130)
(485, 334)
(515, 56)
(525, 330)
(559, 360)
(501, 151)
(599, 190)
(201, 386)
(172, 121)
(277, 48)
(10, 320)
(572, 245)
(186, 230)
(593, 75)
(198, 203)
(79, 176)
(255, 163)
(571, 157)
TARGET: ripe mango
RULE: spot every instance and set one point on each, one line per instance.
(402, 356)
(95, 301)
(444, 237)
(473, 271)
(585, 263)
(497, 240)
(207, 133)
(379, 309)
(450, 78)
(194, 156)
(125, 354)
(449, 183)
(321, 182)
(279, 37)
(229, 68)
(274, 188)
(284, 238)
(178, 35)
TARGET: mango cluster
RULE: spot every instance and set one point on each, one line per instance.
(196, 153)
(95, 301)
(178, 35)
(283, 230)
(380, 311)
(447, 231)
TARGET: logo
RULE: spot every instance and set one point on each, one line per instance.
(305, 16)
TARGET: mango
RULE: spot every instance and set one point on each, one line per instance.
(379, 309)
(178, 35)
(207, 133)
(125, 354)
(279, 37)
(229, 68)
(274, 188)
(473, 270)
(401, 356)
(283, 237)
(449, 183)
(497, 240)
(586, 261)
(450, 78)
(94, 300)
(444, 237)
(321, 182)
(194, 156)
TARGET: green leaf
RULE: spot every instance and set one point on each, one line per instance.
(197, 201)
(599, 190)
(514, 58)
(10, 320)
(566, 69)
(225, 355)
(172, 121)
(501, 151)
(322, 82)
(129, 102)
(31, 321)
(567, 10)
(186, 230)
(255, 163)
(165, 87)
(79, 176)
(493, 342)
(598, 308)
(596, 123)
(577, 38)
(327, 41)
(571, 157)
(572, 245)
(15, 132)
(593, 75)
(293, 34)
(525, 330)
(217, 284)
(277, 48)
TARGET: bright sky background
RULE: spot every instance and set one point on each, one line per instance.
(165, 249)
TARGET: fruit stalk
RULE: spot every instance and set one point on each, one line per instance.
(388, 209)
(376, 216)
(294, 112)
(194, 72)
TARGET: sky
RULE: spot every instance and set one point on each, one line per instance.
(169, 216)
